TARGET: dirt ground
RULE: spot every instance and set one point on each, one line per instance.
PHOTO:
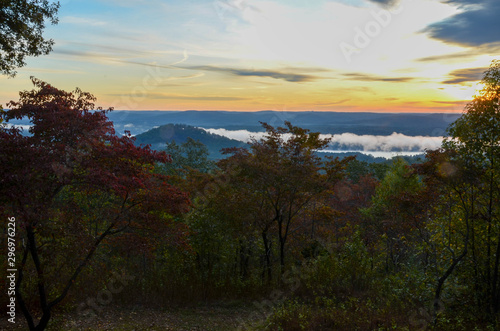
(219, 317)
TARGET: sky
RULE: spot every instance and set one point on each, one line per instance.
(283, 55)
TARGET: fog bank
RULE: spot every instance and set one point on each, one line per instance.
(396, 142)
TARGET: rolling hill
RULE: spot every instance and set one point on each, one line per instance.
(179, 133)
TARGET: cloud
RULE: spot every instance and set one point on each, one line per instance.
(211, 98)
(385, 3)
(448, 57)
(111, 49)
(453, 103)
(354, 142)
(196, 98)
(160, 66)
(82, 21)
(97, 52)
(465, 75)
(240, 135)
(477, 24)
(89, 55)
(331, 103)
(394, 142)
(132, 3)
(79, 53)
(466, 3)
(52, 71)
(373, 78)
(24, 127)
(185, 97)
(464, 56)
(287, 76)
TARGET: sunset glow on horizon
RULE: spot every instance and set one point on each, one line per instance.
(293, 55)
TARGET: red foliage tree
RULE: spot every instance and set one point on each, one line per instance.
(70, 157)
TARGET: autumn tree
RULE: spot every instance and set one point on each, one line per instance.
(474, 138)
(349, 200)
(53, 178)
(280, 177)
(188, 156)
(396, 213)
(461, 182)
(448, 191)
(21, 31)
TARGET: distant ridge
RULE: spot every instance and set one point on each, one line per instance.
(413, 124)
(158, 137)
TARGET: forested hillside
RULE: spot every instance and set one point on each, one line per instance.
(305, 242)
(179, 133)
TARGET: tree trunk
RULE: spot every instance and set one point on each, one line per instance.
(44, 321)
(495, 294)
(47, 306)
(494, 285)
(42, 324)
(441, 280)
(282, 240)
(267, 248)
